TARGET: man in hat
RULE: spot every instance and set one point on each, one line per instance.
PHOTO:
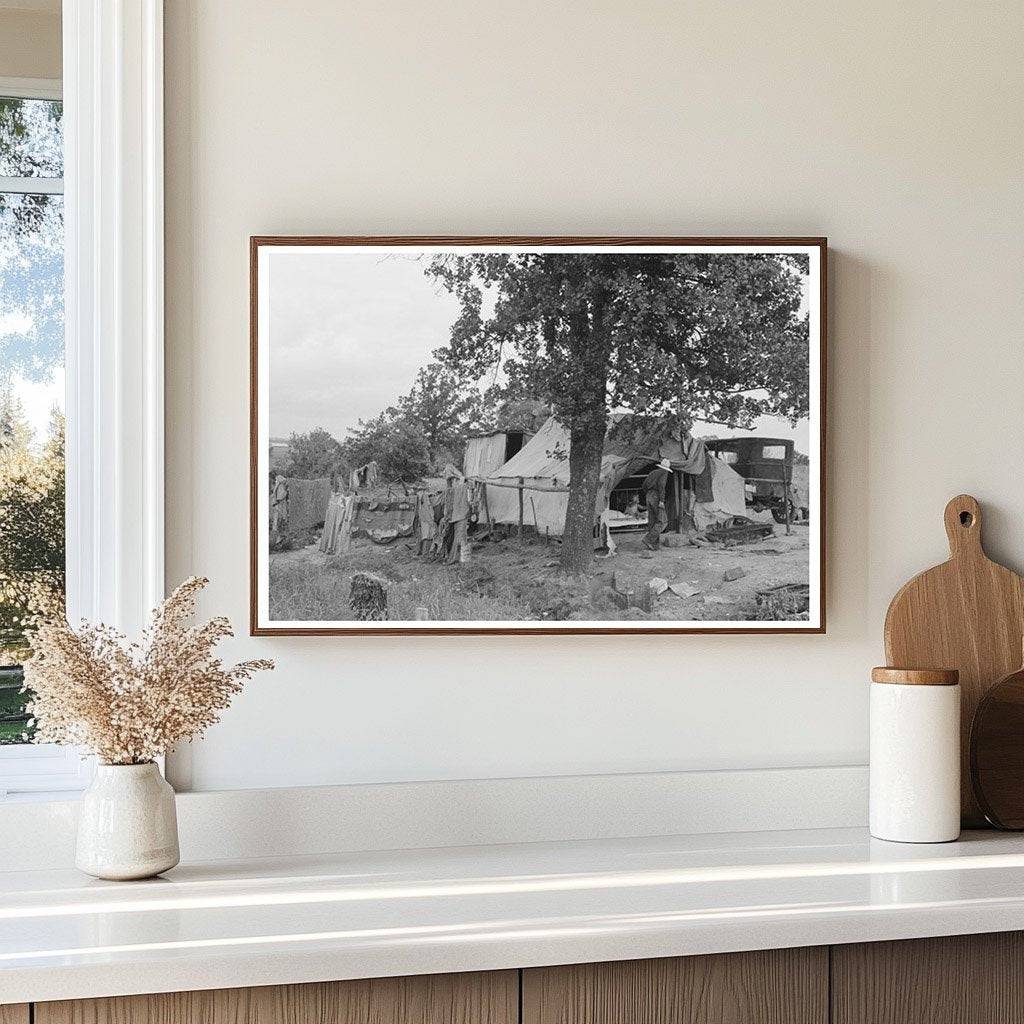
(653, 488)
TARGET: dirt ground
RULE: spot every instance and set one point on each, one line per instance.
(509, 580)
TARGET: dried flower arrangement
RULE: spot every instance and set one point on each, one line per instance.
(129, 703)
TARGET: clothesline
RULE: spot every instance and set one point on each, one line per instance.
(527, 487)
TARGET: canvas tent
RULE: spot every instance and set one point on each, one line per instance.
(486, 453)
(632, 443)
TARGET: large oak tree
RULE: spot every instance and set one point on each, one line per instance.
(718, 337)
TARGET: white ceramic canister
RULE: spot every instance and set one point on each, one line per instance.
(915, 755)
(127, 825)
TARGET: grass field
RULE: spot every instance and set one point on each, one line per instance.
(506, 581)
(311, 590)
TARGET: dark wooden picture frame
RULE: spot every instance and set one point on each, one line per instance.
(258, 469)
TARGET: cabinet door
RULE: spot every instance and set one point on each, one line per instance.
(14, 1013)
(778, 986)
(482, 998)
(962, 979)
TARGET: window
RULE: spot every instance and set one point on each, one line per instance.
(730, 458)
(774, 451)
(92, 172)
(31, 384)
(32, 569)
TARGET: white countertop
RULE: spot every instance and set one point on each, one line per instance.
(261, 922)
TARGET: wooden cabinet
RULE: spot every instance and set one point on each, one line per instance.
(971, 979)
(777, 986)
(963, 979)
(490, 998)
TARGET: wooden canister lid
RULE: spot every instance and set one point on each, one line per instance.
(916, 676)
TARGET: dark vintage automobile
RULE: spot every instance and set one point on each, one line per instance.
(774, 480)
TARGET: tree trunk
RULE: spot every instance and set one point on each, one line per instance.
(585, 448)
(369, 597)
(591, 346)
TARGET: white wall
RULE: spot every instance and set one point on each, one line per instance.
(895, 129)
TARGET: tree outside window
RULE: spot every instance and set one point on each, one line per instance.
(31, 387)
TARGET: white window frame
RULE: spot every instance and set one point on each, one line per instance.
(32, 88)
(114, 323)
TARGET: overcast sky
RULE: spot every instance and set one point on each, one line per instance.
(349, 331)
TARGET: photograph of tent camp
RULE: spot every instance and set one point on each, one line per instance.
(522, 435)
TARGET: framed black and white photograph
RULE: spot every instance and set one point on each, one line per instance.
(537, 435)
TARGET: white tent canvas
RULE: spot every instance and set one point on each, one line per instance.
(729, 496)
(543, 467)
(543, 462)
(484, 454)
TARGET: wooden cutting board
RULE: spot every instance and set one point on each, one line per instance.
(967, 614)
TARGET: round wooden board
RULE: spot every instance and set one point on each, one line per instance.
(997, 752)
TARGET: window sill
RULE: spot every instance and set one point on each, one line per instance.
(44, 771)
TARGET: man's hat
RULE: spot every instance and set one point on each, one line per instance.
(664, 464)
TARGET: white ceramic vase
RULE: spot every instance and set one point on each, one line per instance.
(127, 825)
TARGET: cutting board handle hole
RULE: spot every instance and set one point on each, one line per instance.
(962, 518)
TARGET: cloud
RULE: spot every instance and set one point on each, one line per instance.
(15, 323)
(348, 333)
(38, 399)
